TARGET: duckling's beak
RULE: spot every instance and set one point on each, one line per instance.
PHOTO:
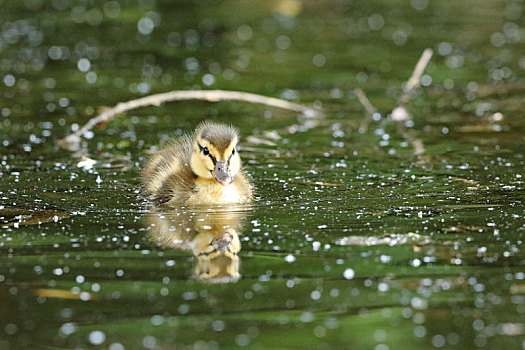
(221, 174)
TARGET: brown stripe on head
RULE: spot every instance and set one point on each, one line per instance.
(219, 135)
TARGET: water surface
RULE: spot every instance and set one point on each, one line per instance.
(352, 242)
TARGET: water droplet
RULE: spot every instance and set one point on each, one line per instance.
(289, 258)
(68, 328)
(97, 337)
(145, 25)
(349, 273)
(80, 279)
(83, 65)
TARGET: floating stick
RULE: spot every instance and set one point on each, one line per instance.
(72, 141)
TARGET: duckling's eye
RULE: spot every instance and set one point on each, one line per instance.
(205, 151)
(233, 152)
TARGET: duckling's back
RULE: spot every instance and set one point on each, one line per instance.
(168, 175)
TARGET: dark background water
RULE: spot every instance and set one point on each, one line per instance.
(352, 242)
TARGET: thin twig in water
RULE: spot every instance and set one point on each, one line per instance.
(369, 108)
(417, 144)
(72, 141)
(415, 78)
(401, 115)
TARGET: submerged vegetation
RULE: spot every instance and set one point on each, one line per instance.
(354, 240)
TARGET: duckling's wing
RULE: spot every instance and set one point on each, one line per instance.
(168, 175)
(245, 188)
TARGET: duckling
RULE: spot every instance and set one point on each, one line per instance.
(203, 168)
(212, 237)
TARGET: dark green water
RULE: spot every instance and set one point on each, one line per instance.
(351, 244)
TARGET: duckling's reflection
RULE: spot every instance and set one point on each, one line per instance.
(211, 233)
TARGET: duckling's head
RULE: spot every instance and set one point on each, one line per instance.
(214, 154)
